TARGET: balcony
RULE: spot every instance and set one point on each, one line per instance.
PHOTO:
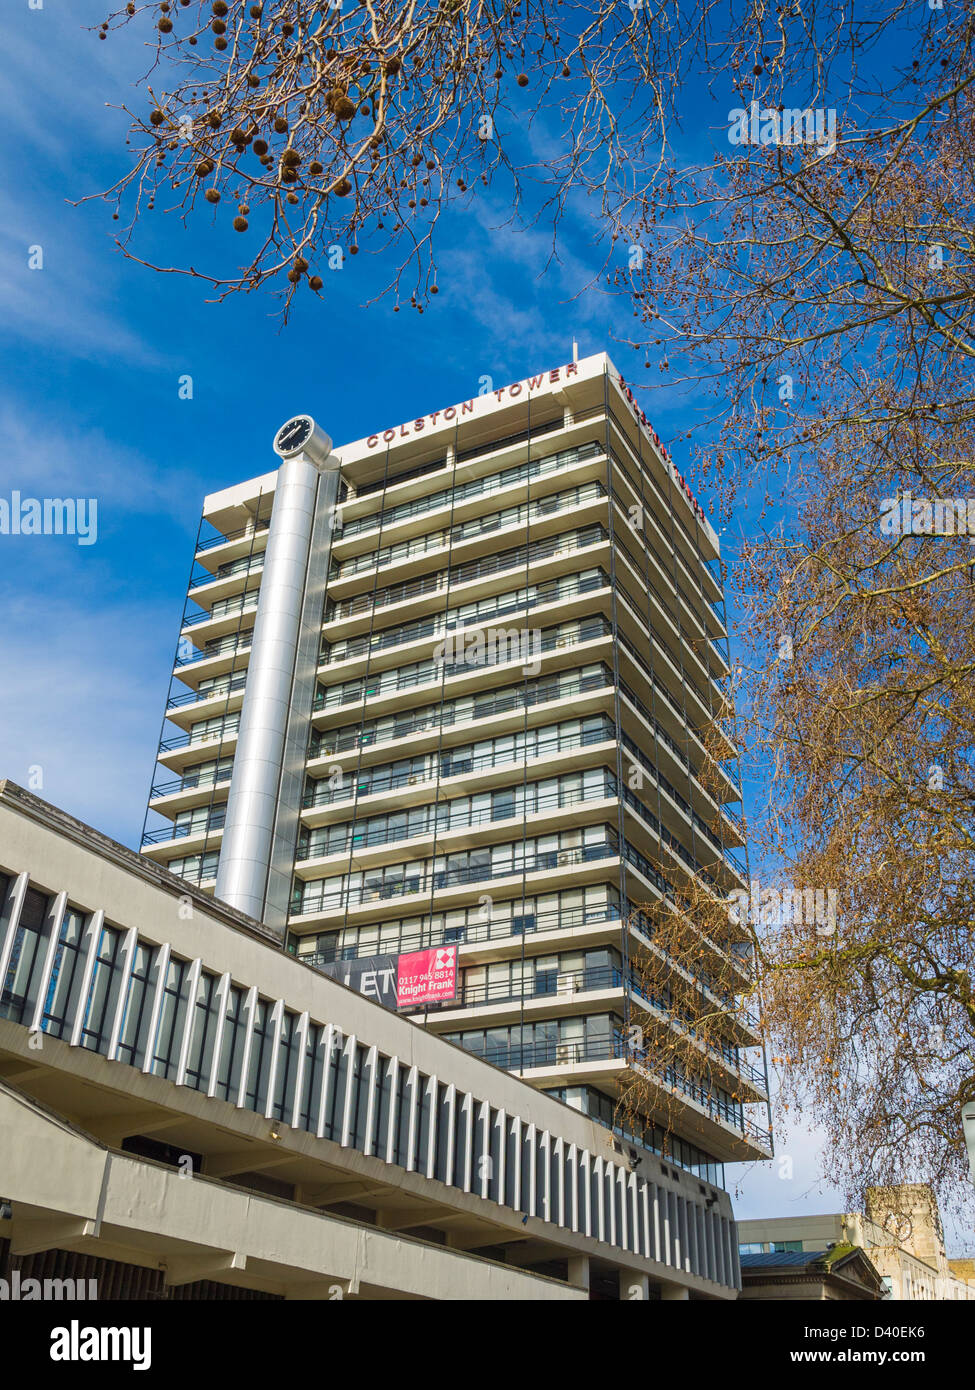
(189, 783)
(222, 646)
(450, 767)
(538, 692)
(475, 528)
(440, 821)
(399, 679)
(187, 830)
(443, 581)
(441, 627)
(245, 533)
(336, 900)
(476, 487)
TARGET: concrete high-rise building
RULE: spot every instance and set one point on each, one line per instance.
(445, 687)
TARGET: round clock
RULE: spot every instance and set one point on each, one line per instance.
(292, 437)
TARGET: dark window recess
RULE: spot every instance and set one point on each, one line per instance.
(171, 1154)
(260, 1182)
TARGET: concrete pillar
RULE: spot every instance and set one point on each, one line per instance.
(674, 1291)
(579, 1270)
(634, 1288)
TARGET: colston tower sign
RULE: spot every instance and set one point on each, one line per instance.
(504, 395)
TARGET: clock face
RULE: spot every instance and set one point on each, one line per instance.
(293, 435)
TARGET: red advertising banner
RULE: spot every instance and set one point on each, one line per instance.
(425, 977)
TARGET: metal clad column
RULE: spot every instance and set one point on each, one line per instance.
(252, 806)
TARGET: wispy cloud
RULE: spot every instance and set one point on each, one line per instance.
(80, 704)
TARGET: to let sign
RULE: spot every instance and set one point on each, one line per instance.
(425, 977)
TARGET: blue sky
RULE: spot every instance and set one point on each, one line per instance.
(89, 407)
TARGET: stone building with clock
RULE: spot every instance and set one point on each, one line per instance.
(333, 766)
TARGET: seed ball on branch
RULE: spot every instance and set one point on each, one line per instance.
(343, 108)
(212, 196)
(300, 264)
(315, 282)
(315, 167)
(165, 26)
(156, 118)
(343, 188)
(204, 167)
(292, 198)
(294, 276)
(253, 80)
(522, 80)
(291, 159)
(213, 120)
(256, 11)
(243, 209)
(260, 147)
(220, 44)
(218, 26)
(220, 7)
(280, 125)
(240, 224)
(392, 66)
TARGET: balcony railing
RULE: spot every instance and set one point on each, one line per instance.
(225, 608)
(189, 783)
(183, 831)
(550, 985)
(476, 487)
(192, 738)
(439, 820)
(587, 630)
(444, 580)
(257, 529)
(443, 625)
(323, 794)
(245, 565)
(446, 716)
(476, 526)
(237, 642)
(326, 900)
(195, 697)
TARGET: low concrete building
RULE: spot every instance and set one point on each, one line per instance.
(900, 1230)
(186, 1106)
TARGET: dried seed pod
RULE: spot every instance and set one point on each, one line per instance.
(156, 117)
(280, 125)
(212, 196)
(240, 224)
(260, 147)
(315, 282)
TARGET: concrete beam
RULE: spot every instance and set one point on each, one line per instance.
(188, 1269)
(112, 1129)
(402, 1218)
(32, 1236)
(225, 1165)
